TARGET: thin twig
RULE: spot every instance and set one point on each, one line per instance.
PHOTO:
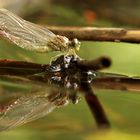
(96, 64)
(114, 82)
(117, 83)
(95, 106)
(13, 67)
(98, 34)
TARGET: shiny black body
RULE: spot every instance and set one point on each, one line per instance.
(67, 72)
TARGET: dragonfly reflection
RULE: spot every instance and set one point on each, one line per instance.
(46, 87)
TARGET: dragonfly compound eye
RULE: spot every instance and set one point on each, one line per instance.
(75, 44)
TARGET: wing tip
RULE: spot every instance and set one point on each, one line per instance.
(3, 10)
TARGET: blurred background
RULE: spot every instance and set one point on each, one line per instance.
(75, 121)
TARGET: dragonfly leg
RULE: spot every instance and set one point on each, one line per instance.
(72, 52)
(73, 97)
(59, 97)
(95, 107)
(54, 58)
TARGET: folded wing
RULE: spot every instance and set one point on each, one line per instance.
(23, 33)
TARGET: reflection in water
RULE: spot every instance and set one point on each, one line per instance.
(19, 107)
(26, 97)
(66, 73)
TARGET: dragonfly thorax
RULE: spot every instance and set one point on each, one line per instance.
(62, 43)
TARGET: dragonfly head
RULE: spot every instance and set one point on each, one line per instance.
(75, 44)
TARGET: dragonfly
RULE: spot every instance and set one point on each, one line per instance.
(30, 91)
(33, 37)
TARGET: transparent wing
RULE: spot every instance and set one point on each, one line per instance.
(23, 33)
(23, 101)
